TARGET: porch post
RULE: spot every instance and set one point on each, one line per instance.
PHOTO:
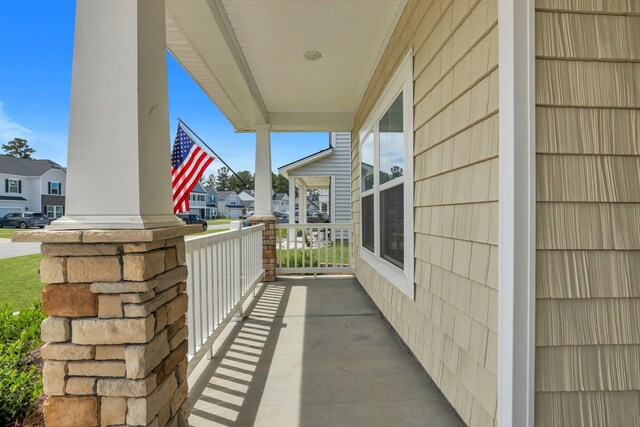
(303, 205)
(292, 199)
(263, 213)
(115, 340)
(118, 157)
(263, 190)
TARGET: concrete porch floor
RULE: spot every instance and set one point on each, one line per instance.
(315, 352)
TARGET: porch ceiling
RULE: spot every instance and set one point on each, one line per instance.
(248, 56)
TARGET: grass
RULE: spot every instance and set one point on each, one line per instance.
(220, 221)
(341, 256)
(7, 233)
(208, 232)
(20, 283)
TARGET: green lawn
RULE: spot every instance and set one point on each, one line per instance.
(221, 221)
(7, 233)
(20, 283)
(208, 232)
(311, 256)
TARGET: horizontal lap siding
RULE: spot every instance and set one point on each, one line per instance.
(336, 165)
(451, 326)
(588, 192)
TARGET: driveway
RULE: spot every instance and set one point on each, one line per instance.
(10, 250)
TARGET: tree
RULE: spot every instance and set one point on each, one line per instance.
(236, 185)
(209, 181)
(222, 181)
(279, 183)
(18, 148)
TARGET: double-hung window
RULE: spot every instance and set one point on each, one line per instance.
(13, 186)
(386, 182)
(55, 188)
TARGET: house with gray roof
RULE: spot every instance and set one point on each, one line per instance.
(32, 185)
(230, 205)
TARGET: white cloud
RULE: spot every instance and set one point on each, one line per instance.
(10, 129)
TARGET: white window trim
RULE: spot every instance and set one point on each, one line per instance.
(17, 186)
(402, 81)
(57, 184)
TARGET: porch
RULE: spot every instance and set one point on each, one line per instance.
(314, 351)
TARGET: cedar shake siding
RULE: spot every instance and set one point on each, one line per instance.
(451, 326)
(588, 205)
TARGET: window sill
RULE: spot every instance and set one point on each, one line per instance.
(390, 272)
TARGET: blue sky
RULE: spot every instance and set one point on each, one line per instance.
(36, 51)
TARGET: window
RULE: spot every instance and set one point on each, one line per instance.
(13, 186)
(386, 182)
(54, 211)
(55, 188)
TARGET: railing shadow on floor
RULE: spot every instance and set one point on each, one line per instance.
(235, 377)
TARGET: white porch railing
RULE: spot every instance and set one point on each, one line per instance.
(314, 248)
(223, 269)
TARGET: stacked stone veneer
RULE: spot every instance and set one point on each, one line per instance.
(116, 340)
(268, 246)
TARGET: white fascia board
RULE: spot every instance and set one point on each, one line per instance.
(195, 38)
(284, 171)
(311, 122)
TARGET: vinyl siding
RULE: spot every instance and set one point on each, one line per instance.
(588, 192)
(451, 327)
(338, 166)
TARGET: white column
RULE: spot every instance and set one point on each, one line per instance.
(263, 197)
(517, 214)
(303, 205)
(119, 174)
(292, 199)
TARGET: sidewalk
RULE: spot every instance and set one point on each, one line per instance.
(10, 250)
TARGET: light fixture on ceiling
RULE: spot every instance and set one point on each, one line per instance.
(312, 55)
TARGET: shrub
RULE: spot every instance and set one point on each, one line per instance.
(309, 260)
(20, 378)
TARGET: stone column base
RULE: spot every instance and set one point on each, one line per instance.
(116, 337)
(268, 246)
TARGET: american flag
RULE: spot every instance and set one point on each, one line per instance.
(188, 162)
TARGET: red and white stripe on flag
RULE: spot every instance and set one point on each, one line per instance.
(187, 169)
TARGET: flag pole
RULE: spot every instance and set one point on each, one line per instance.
(214, 153)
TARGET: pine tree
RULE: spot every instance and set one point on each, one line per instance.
(222, 181)
(18, 148)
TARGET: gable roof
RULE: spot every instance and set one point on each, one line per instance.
(223, 195)
(280, 196)
(198, 188)
(245, 196)
(210, 189)
(27, 167)
(283, 170)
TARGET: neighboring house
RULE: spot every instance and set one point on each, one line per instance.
(329, 172)
(230, 205)
(212, 202)
(198, 201)
(280, 202)
(30, 185)
(247, 197)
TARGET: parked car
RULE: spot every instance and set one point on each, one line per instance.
(193, 219)
(247, 214)
(25, 220)
(318, 217)
(314, 217)
(281, 218)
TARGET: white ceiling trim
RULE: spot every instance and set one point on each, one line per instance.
(234, 47)
(383, 47)
(311, 122)
(192, 62)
